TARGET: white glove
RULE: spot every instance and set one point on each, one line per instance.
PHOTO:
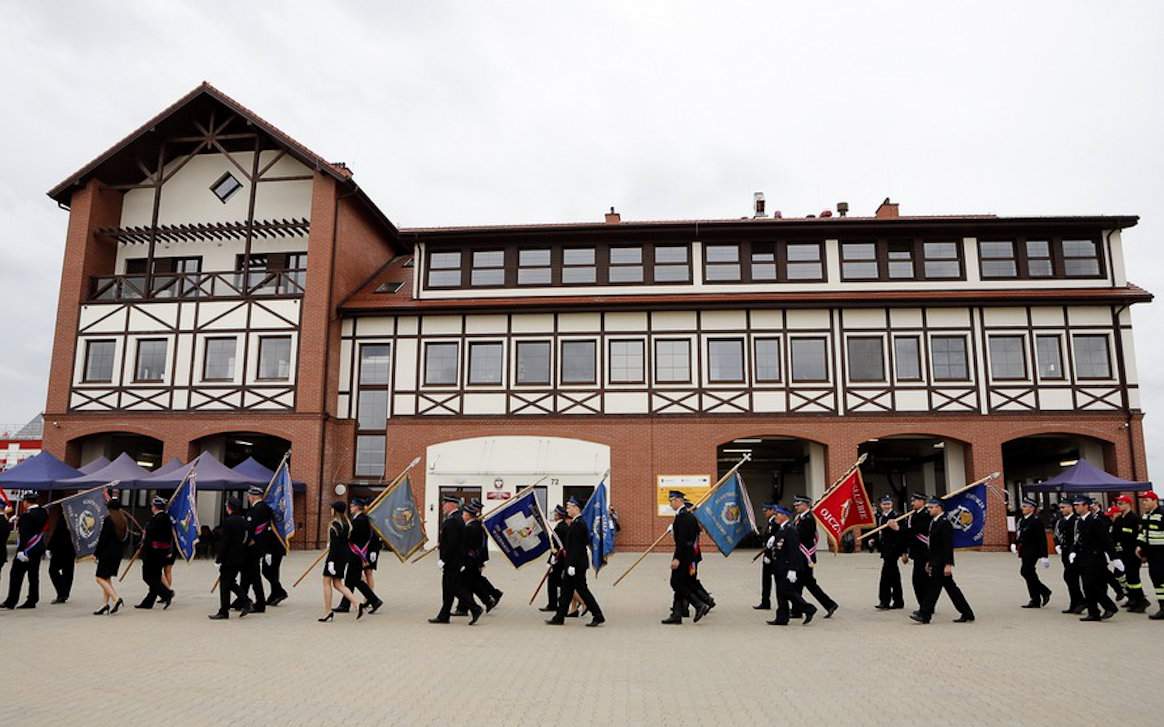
(771, 541)
(268, 558)
(553, 560)
(1071, 558)
(1057, 551)
(1013, 547)
(440, 564)
(1045, 562)
(331, 568)
(372, 556)
(792, 576)
(767, 560)
(462, 569)
(570, 570)
(1117, 566)
(670, 527)
(22, 557)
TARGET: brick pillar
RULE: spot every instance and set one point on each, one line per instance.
(984, 457)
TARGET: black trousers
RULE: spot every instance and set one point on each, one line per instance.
(789, 599)
(271, 573)
(252, 579)
(16, 581)
(354, 580)
(151, 573)
(937, 583)
(889, 591)
(453, 587)
(767, 573)
(1035, 588)
(920, 580)
(808, 576)
(1074, 583)
(576, 583)
(60, 572)
(1095, 576)
(684, 589)
(1156, 573)
(490, 589)
(554, 586)
(228, 586)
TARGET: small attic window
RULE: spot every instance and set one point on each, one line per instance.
(390, 286)
(225, 187)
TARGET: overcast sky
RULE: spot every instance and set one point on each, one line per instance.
(529, 112)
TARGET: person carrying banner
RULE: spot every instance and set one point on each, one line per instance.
(767, 567)
(450, 554)
(916, 544)
(233, 560)
(1090, 555)
(940, 568)
(156, 551)
(360, 544)
(1031, 547)
(339, 557)
(577, 561)
(62, 558)
(490, 594)
(108, 552)
(266, 544)
(258, 523)
(557, 560)
(1151, 546)
(697, 586)
(1065, 546)
(807, 530)
(473, 557)
(890, 547)
(788, 562)
(30, 547)
(685, 531)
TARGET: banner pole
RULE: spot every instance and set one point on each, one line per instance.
(975, 483)
(541, 583)
(86, 492)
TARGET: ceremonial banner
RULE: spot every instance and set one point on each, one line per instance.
(84, 515)
(727, 514)
(845, 507)
(966, 511)
(397, 519)
(519, 529)
(596, 515)
(278, 497)
(183, 512)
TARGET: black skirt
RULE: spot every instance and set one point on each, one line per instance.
(107, 567)
(334, 568)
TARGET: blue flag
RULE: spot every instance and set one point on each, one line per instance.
(596, 515)
(727, 515)
(84, 515)
(279, 497)
(519, 529)
(966, 511)
(398, 521)
(183, 512)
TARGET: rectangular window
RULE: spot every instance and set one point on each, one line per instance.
(948, 358)
(1008, 358)
(723, 263)
(488, 269)
(907, 358)
(809, 359)
(372, 409)
(485, 363)
(1050, 354)
(578, 266)
(998, 259)
(218, 359)
(941, 260)
(533, 267)
(533, 362)
(859, 261)
(444, 269)
(99, 361)
(866, 358)
(1092, 358)
(626, 362)
(901, 260)
(626, 265)
(1039, 263)
(375, 359)
(767, 359)
(725, 360)
(673, 361)
(151, 359)
(578, 365)
(763, 261)
(370, 455)
(441, 364)
(274, 358)
(672, 264)
(1080, 258)
(804, 262)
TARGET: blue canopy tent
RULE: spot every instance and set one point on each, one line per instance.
(170, 466)
(40, 472)
(95, 465)
(250, 467)
(210, 473)
(123, 469)
(1085, 477)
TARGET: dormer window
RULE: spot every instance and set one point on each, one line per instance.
(225, 187)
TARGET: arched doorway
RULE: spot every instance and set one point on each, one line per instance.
(779, 469)
(1032, 459)
(145, 450)
(233, 448)
(900, 464)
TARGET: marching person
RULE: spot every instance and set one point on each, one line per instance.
(265, 539)
(360, 545)
(1031, 547)
(450, 545)
(5, 531)
(788, 562)
(109, 550)
(1090, 555)
(30, 547)
(1151, 546)
(940, 568)
(339, 556)
(557, 560)
(62, 558)
(156, 550)
(492, 595)
(473, 560)
(889, 593)
(697, 585)
(258, 520)
(685, 531)
(806, 528)
(1065, 546)
(767, 568)
(1125, 534)
(1114, 576)
(577, 561)
(916, 544)
(233, 560)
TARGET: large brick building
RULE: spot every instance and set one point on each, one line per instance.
(225, 289)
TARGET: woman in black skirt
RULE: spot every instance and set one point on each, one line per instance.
(338, 556)
(110, 547)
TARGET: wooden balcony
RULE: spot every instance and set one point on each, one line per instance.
(198, 286)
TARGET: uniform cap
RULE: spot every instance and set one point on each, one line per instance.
(255, 490)
(31, 496)
(451, 498)
(887, 498)
(574, 501)
(782, 510)
(476, 503)
(1148, 495)
(339, 506)
(1126, 499)
(1081, 500)
(919, 496)
(770, 506)
(473, 508)
(934, 501)
(676, 495)
(114, 503)
(801, 500)
(560, 511)
(1030, 501)
(158, 501)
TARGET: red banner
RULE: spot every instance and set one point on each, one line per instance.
(846, 507)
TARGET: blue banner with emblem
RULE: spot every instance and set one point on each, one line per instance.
(726, 514)
(84, 515)
(596, 515)
(183, 512)
(966, 511)
(519, 529)
(278, 497)
(398, 521)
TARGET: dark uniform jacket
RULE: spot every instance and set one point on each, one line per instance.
(889, 542)
(1092, 540)
(60, 544)
(232, 544)
(338, 538)
(686, 534)
(559, 545)
(1152, 531)
(577, 540)
(806, 530)
(5, 531)
(917, 535)
(159, 536)
(1065, 535)
(30, 532)
(941, 545)
(1125, 531)
(449, 539)
(785, 552)
(473, 540)
(1031, 537)
(360, 540)
(260, 521)
(109, 545)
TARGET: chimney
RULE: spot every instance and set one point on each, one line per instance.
(886, 210)
(612, 217)
(758, 205)
(842, 208)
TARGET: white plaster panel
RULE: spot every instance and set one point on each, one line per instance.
(801, 319)
(723, 320)
(626, 402)
(345, 371)
(441, 325)
(153, 316)
(948, 317)
(404, 404)
(484, 404)
(407, 326)
(405, 367)
(905, 317)
(229, 314)
(374, 326)
(1055, 399)
(626, 322)
(347, 326)
(1089, 315)
(343, 402)
(102, 318)
(533, 323)
(767, 319)
(864, 318)
(911, 401)
(1047, 315)
(485, 324)
(673, 320)
(1005, 316)
(768, 401)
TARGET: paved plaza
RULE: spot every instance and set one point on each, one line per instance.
(1012, 666)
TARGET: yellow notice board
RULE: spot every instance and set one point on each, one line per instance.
(694, 486)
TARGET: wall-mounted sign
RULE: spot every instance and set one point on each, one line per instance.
(694, 486)
(498, 495)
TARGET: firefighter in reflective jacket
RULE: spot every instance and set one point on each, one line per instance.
(1125, 532)
(1152, 546)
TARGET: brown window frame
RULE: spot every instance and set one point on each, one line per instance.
(456, 369)
(655, 360)
(137, 360)
(1111, 374)
(652, 251)
(779, 341)
(205, 357)
(965, 357)
(642, 379)
(503, 267)
(469, 380)
(641, 264)
(259, 359)
(550, 266)
(748, 249)
(461, 267)
(743, 348)
(549, 344)
(1055, 256)
(884, 378)
(560, 266)
(112, 367)
(990, 338)
(792, 378)
(593, 359)
(917, 342)
(1059, 352)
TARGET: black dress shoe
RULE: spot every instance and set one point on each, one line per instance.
(919, 618)
(701, 611)
(1108, 614)
(672, 620)
(1078, 610)
(830, 611)
(218, 616)
(244, 610)
(1046, 598)
(116, 607)
(1032, 604)
(1090, 618)
(549, 609)
(166, 602)
(763, 607)
(964, 618)
(776, 622)
(145, 606)
(1158, 616)
(476, 615)
(596, 621)
(881, 607)
(438, 620)
(555, 621)
(497, 598)
(26, 605)
(343, 609)
(461, 613)
(793, 615)
(255, 609)
(56, 601)
(102, 611)
(812, 612)
(376, 606)
(572, 614)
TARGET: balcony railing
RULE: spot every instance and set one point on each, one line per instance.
(199, 286)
